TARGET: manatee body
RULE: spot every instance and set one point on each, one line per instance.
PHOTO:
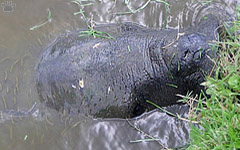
(113, 78)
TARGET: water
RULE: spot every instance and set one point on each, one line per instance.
(20, 49)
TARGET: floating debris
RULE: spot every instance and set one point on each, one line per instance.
(145, 140)
(81, 83)
(20, 117)
(73, 86)
(64, 131)
(109, 89)
(6, 75)
(4, 59)
(172, 85)
(11, 132)
(14, 100)
(14, 96)
(25, 138)
(49, 19)
(76, 124)
(96, 45)
(129, 48)
(39, 41)
(30, 92)
(11, 116)
(12, 66)
(7, 89)
(4, 102)
(17, 83)
(179, 66)
(49, 122)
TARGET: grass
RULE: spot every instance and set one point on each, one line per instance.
(132, 10)
(91, 31)
(161, 108)
(170, 64)
(205, 2)
(172, 85)
(171, 114)
(49, 18)
(219, 115)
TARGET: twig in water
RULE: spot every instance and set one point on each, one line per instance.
(145, 134)
(4, 102)
(63, 133)
(144, 140)
(12, 66)
(178, 35)
(49, 122)
(132, 11)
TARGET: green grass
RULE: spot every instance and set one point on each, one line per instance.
(132, 10)
(91, 31)
(170, 64)
(219, 115)
(205, 2)
(49, 19)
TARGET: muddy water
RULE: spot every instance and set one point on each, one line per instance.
(20, 49)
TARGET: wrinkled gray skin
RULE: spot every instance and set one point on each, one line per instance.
(113, 78)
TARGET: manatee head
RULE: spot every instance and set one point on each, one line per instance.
(192, 51)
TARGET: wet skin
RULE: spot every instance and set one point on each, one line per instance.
(113, 78)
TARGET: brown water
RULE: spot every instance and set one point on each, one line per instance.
(20, 49)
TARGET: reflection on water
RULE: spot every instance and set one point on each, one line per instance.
(20, 49)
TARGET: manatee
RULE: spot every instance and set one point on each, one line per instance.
(113, 78)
